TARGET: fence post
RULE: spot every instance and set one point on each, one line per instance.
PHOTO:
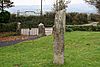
(41, 30)
(18, 28)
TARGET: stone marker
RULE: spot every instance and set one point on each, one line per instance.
(58, 32)
(18, 28)
(41, 30)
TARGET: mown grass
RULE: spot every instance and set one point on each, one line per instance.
(82, 49)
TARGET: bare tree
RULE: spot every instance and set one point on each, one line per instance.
(96, 3)
(5, 4)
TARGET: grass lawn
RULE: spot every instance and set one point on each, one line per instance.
(82, 49)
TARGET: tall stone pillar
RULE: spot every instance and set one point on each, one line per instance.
(58, 32)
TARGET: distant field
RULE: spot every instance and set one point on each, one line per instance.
(82, 49)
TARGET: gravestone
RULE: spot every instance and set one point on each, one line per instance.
(58, 32)
(41, 30)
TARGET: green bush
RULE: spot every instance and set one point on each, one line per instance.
(33, 21)
(4, 17)
(83, 28)
(69, 29)
(8, 27)
(48, 19)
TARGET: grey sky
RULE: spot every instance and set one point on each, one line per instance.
(45, 2)
(74, 6)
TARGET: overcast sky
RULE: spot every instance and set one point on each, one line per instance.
(45, 2)
(74, 6)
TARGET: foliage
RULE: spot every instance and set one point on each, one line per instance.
(8, 27)
(4, 17)
(48, 19)
(33, 21)
(96, 3)
(5, 4)
(76, 18)
(82, 49)
(82, 28)
(95, 17)
(69, 29)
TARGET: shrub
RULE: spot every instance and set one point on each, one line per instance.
(69, 29)
(82, 28)
(8, 27)
(48, 19)
(4, 17)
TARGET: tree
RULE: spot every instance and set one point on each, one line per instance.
(4, 17)
(96, 3)
(5, 4)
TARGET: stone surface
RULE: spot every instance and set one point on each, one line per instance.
(64, 19)
(19, 28)
(41, 30)
(58, 32)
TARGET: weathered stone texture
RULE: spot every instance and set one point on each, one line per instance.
(58, 32)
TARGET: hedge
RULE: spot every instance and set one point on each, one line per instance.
(33, 21)
(48, 19)
(8, 27)
(82, 28)
(12, 27)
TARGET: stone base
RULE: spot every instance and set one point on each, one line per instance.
(58, 59)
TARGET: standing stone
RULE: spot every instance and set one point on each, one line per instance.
(41, 30)
(64, 19)
(58, 32)
(18, 28)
